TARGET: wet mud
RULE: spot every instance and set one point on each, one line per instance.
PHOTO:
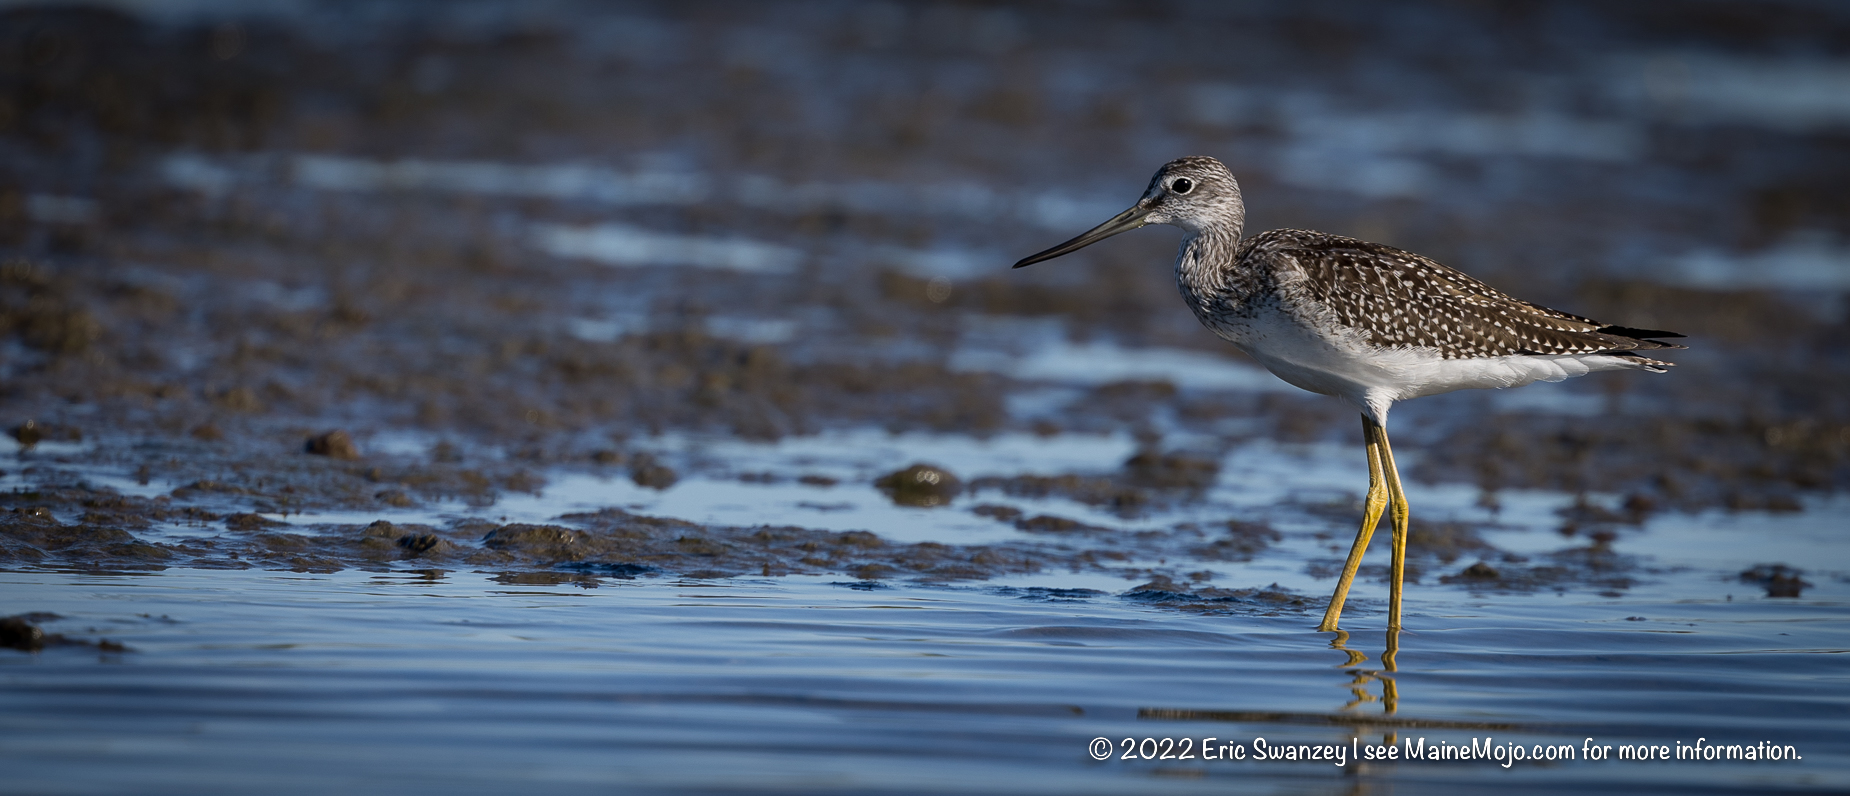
(190, 297)
(1779, 580)
(607, 543)
(1195, 598)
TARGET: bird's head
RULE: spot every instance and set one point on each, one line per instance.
(1195, 193)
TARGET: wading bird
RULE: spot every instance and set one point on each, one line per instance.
(1367, 323)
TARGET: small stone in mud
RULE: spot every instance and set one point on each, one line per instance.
(817, 480)
(647, 473)
(1779, 580)
(920, 485)
(335, 444)
(608, 457)
(17, 633)
(28, 433)
(421, 543)
(207, 432)
(1481, 571)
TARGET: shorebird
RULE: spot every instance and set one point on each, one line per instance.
(1367, 323)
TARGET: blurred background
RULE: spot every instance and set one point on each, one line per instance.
(674, 346)
(538, 232)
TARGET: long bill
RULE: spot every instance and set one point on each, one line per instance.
(1122, 222)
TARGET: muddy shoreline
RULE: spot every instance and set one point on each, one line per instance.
(208, 271)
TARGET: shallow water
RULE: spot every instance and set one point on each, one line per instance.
(451, 682)
(469, 681)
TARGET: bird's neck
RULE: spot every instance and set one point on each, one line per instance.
(1207, 255)
(1213, 284)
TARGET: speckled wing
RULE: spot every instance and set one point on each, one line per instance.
(1400, 299)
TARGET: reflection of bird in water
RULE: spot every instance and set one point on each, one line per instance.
(1367, 323)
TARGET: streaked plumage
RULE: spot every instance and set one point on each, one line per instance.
(1365, 322)
(1370, 323)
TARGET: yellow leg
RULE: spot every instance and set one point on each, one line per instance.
(1371, 514)
(1390, 690)
(1398, 512)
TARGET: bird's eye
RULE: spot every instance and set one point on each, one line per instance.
(1182, 185)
